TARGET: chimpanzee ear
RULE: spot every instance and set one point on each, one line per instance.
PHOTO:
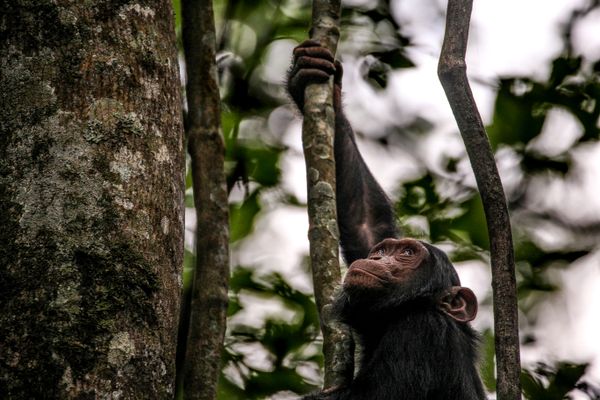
(459, 303)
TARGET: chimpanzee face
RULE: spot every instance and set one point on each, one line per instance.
(392, 262)
(399, 270)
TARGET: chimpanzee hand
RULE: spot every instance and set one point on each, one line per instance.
(313, 63)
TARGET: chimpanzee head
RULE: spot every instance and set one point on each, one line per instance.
(406, 271)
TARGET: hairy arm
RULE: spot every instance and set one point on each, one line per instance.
(365, 214)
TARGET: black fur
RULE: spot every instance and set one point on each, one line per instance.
(410, 349)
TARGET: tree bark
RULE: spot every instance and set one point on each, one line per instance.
(91, 199)
(317, 138)
(452, 73)
(207, 150)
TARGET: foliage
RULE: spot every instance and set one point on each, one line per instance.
(287, 344)
(439, 205)
(547, 382)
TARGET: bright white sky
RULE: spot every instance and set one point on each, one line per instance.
(508, 37)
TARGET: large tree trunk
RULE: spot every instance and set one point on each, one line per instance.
(91, 199)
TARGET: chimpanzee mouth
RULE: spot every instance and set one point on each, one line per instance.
(365, 272)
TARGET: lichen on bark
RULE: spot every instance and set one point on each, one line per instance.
(317, 140)
(91, 173)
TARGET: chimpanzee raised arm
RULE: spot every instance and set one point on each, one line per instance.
(401, 297)
(365, 215)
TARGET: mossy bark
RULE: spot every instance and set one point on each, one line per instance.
(91, 199)
(317, 138)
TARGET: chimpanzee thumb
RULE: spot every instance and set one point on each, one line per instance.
(339, 72)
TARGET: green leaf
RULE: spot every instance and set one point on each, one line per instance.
(488, 365)
(551, 382)
(518, 112)
(241, 216)
(189, 266)
(473, 222)
(262, 384)
(532, 387)
(563, 67)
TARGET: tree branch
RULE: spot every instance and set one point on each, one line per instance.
(207, 150)
(317, 139)
(452, 74)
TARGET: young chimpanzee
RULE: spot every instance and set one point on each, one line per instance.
(402, 297)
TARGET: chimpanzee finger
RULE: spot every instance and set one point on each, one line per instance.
(305, 62)
(310, 75)
(316, 52)
(312, 64)
(298, 80)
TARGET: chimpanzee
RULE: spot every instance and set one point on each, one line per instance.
(401, 297)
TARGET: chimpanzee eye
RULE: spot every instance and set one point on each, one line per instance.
(377, 253)
(408, 252)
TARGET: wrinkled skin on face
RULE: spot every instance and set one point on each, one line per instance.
(391, 262)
